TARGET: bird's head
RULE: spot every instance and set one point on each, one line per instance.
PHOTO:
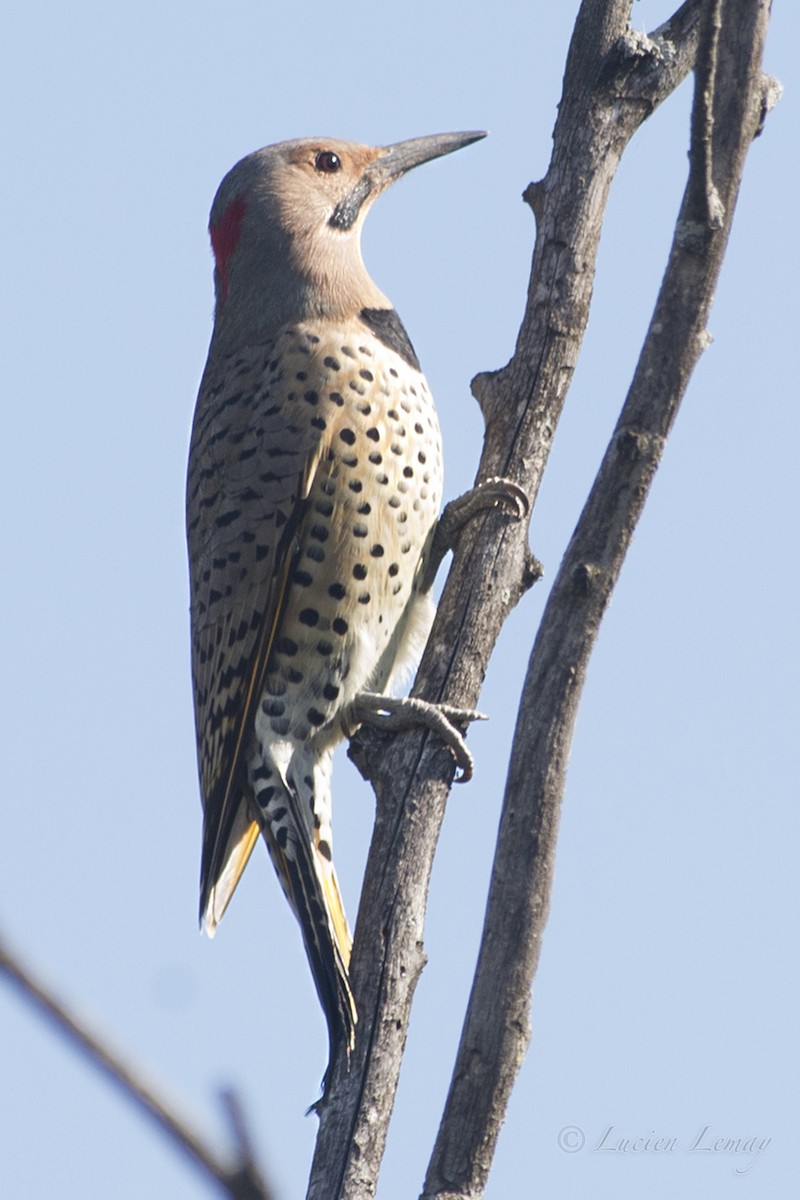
(286, 228)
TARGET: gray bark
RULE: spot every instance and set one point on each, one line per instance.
(728, 111)
(614, 79)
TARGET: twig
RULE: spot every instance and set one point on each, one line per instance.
(240, 1181)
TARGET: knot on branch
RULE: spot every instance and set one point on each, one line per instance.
(635, 61)
(635, 443)
(484, 389)
(647, 67)
(534, 197)
(636, 44)
(716, 209)
(532, 572)
(693, 234)
(366, 750)
(771, 92)
(587, 578)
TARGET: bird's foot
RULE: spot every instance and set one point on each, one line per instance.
(495, 492)
(390, 713)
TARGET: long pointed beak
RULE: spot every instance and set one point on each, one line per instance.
(390, 163)
(395, 160)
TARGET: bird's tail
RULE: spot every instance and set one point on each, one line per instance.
(294, 800)
(309, 881)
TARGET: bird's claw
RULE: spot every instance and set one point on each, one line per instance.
(391, 713)
(495, 492)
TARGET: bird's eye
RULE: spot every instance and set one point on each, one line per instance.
(328, 162)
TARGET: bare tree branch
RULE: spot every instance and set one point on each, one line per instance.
(239, 1180)
(726, 116)
(614, 80)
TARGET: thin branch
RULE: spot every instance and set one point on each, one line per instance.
(239, 1181)
(608, 93)
(704, 198)
(729, 92)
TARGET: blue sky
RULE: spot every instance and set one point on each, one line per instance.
(666, 996)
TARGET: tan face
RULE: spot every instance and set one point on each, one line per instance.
(319, 183)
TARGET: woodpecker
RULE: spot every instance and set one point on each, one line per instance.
(314, 487)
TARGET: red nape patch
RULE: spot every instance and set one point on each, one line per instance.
(224, 239)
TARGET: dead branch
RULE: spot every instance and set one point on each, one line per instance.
(614, 80)
(238, 1178)
(726, 116)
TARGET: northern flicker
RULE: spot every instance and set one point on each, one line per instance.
(314, 486)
